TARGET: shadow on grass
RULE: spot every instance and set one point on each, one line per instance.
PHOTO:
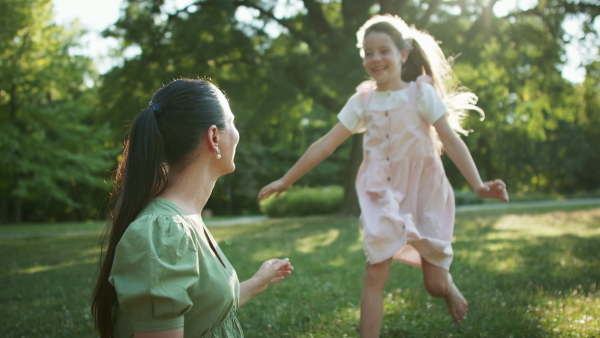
(504, 280)
(507, 278)
(328, 258)
(45, 286)
(509, 273)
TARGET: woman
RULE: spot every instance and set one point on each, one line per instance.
(163, 274)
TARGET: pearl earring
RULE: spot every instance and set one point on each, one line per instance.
(218, 156)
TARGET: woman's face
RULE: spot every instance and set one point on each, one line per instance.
(229, 138)
(383, 61)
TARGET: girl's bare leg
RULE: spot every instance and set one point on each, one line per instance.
(439, 283)
(371, 305)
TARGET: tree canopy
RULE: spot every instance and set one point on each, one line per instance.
(53, 153)
(288, 67)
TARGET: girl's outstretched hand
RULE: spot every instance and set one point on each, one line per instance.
(493, 189)
(276, 187)
(271, 272)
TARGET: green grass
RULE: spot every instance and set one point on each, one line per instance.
(37, 228)
(525, 274)
(44, 229)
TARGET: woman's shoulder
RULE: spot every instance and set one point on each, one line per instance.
(160, 207)
(159, 216)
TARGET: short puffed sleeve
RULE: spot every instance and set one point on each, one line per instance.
(352, 115)
(154, 269)
(430, 103)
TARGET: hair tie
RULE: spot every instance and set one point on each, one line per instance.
(155, 107)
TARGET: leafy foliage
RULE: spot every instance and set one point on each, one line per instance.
(287, 67)
(301, 201)
(285, 88)
(52, 151)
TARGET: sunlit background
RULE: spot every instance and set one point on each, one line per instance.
(287, 69)
(96, 15)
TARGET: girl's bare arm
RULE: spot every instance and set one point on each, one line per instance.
(314, 155)
(459, 154)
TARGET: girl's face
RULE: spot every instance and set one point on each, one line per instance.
(383, 61)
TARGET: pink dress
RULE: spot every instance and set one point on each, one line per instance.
(407, 203)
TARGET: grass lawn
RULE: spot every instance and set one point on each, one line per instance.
(525, 274)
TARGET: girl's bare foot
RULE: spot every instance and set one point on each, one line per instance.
(457, 304)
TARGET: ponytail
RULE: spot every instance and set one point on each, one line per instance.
(425, 57)
(416, 63)
(140, 175)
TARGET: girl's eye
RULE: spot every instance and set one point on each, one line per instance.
(385, 51)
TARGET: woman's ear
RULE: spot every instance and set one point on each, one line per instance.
(212, 139)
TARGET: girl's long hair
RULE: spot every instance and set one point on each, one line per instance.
(425, 57)
(164, 134)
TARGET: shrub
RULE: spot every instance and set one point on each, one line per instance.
(466, 197)
(303, 201)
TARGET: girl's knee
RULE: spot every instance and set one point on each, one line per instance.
(436, 287)
(437, 280)
(377, 274)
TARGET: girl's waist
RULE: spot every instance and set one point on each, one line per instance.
(399, 160)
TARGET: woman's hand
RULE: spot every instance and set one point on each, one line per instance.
(493, 189)
(271, 272)
(276, 187)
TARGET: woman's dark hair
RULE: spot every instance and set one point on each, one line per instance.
(417, 62)
(163, 135)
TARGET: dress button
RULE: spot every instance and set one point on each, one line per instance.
(387, 158)
(389, 179)
(386, 113)
(387, 135)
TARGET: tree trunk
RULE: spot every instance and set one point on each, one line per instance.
(18, 215)
(229, 205)
(3, 209)
(350, 205)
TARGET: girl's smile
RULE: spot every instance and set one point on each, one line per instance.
(383, 61)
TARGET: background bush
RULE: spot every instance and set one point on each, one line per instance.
(303, 201)
(466, 197)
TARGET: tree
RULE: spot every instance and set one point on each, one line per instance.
(52, 152)
(287, 87)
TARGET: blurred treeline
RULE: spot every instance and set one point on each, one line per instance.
(287, 69)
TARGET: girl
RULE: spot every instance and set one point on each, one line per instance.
(163, 274)
(406, 200)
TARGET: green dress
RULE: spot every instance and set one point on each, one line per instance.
(169, 273)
